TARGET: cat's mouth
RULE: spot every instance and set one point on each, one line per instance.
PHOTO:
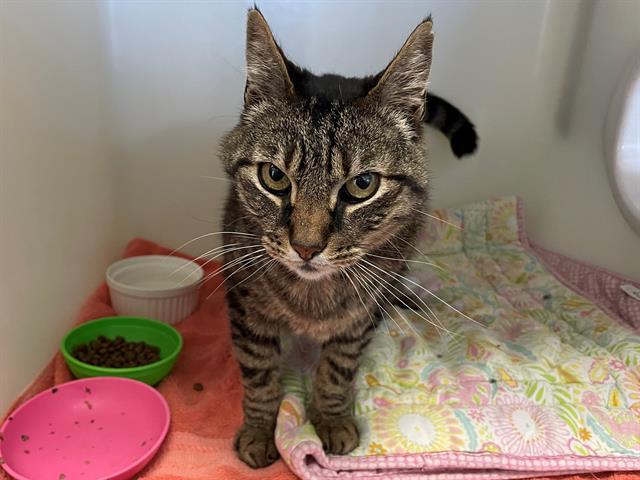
(317, 268)
(309, 270)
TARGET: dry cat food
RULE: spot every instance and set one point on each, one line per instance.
(116, 353)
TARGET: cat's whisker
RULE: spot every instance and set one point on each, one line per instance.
(191, 262)
(415, 249)
(435, 317)
(210, 177)
(399, 253)
(265, 268)
(402, 277)
(231, 264)
(383, 250)
(216, 252)
(345, 273)
(405, 260)
(233, 248)
(421, 312)
(235, 261)
(431, 315)
(365, 287)
(240, 218)
(220, 254)
(236, 266)
(200, 257)
(205, 220)
(406, 321)
(260, 260)
(435, 217)
(209, 235)
(274, 265)
(368, 288)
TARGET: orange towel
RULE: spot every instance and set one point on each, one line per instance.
(199, 444)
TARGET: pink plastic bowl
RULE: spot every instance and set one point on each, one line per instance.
(92, 429)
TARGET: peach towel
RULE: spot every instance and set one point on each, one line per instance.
(199, 445)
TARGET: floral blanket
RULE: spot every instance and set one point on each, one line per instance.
(542, 381)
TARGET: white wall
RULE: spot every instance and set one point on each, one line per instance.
(112, 111)
(178, 85)
(58, 227)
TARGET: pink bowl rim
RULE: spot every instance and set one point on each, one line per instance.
(139, 463)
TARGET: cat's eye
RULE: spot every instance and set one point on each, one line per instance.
(360, 188)
(273, 179)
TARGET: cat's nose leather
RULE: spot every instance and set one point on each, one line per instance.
(307, 252)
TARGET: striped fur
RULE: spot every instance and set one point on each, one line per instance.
(320, 131)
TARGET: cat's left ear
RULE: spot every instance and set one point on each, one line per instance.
(403, 84)
(267, 76)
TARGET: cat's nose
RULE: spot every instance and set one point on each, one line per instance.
(307, 252)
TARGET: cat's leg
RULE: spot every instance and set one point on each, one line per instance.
(331, 410)
(257, 348)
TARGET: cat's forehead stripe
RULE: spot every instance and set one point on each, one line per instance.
(293, 156)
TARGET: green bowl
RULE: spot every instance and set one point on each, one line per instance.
(133, 329)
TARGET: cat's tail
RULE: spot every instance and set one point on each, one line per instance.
(453, 123)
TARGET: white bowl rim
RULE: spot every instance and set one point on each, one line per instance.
(196, 271)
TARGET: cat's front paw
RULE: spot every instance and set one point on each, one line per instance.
(339, 435)
(255, 446)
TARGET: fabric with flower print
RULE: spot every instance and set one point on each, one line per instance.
(523, 428)
(533, 379)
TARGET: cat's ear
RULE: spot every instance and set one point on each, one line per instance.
(403, 84)
(267, 76)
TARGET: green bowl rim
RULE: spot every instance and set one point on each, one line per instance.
(70, 359)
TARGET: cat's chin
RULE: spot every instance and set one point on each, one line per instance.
(312, 273)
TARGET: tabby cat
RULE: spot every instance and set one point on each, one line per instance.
(327, 175)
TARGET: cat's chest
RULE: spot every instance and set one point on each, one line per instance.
(318, 310)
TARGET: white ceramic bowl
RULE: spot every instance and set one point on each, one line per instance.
(155, 286)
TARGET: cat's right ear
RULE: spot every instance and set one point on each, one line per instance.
(267, 76)
(402, 86)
